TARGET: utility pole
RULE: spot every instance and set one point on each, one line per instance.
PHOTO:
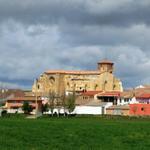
(36, 99)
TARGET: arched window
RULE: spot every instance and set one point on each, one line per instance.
(38, 86)
(52, 80)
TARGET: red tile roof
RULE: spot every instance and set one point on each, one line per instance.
(109, 94)
(144, 96)
(90, 93)
(127, 94)
(26, 98)
(10, 92)
(72, 72)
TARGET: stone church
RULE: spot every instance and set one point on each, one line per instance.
(62, 81)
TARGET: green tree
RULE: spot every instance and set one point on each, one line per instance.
(27, 108)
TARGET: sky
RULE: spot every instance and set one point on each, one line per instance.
(39, 35)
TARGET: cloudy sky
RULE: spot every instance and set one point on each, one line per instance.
(37, 35)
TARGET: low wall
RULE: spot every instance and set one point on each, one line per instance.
(89, 110)
(140, 109)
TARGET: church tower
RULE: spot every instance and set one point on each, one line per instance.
(105, 66)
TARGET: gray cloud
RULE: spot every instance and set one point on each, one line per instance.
(98, 12)
(74, 34)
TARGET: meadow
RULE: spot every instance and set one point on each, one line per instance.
(75, 133)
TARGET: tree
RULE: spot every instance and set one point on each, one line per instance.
(51, 101)
(64, 103)
(70, 102)
(45, 107)
(27, 108)
(58, 104)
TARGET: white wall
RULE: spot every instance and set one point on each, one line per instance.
(93, 110)
(89, 110)
(130, 101)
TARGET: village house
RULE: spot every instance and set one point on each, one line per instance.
(132, 102)
(140, 109)
(14, 105)
(123, 110)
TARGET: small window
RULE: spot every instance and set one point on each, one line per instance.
(142, 109)
(38, 86)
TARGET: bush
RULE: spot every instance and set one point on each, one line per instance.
(26, 108)
(4, 113)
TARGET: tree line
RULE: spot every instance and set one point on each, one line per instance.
(67, 103)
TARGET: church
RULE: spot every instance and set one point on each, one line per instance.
(63, 81)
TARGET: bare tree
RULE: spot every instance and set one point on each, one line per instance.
(70, 102)
(51, 101)
(58, 104)
(64, 104)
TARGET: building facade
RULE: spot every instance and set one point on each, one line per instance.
(60, 81)
(14, 105)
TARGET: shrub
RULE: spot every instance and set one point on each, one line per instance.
(4, 113)
(27, 108)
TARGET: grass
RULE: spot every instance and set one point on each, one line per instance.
(76, 133)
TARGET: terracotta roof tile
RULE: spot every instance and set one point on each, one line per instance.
(9, 92)
(71, 72)
(90, 93)
(144, 96)
(26, 98)
(109, 93)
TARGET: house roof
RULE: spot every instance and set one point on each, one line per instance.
(96, 72)
(141, 92)
(25, 98)
(127, 94)
(90, 93)
(109, 94)
(138, 93)
(144, 96)
(9, 92)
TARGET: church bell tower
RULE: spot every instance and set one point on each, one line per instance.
(105, 66)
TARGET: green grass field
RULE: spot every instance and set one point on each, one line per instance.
(76, 133)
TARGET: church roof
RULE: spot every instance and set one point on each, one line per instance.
(105, 61)
(72, 72)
